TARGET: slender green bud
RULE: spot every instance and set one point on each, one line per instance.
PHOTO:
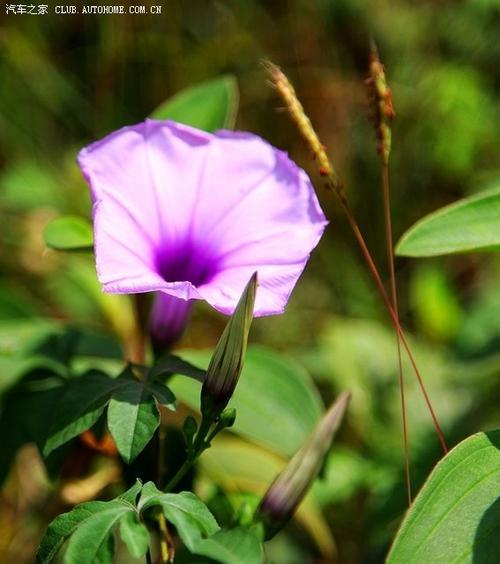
(291, 485)
(189, 429)
(227, 361)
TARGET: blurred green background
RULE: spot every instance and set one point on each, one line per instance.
(68, 80)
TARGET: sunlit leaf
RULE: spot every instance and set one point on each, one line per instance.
(187, 512)
(63, 526)
(91, 525)
(456, 516)
(92, 540)
(469, 225)
(232, 546)
(211, 105)
(134, 534)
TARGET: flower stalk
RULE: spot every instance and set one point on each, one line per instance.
(382, 114)
(296, 112)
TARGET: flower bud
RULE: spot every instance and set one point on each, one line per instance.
(227, 361)
(227, 418)
(291, 485)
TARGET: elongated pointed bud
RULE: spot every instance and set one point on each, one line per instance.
(227, 361)
(291, 485)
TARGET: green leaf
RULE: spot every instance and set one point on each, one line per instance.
(469, 225)
(67, 523)
(134, 534)
(79, 408)
(271, 388)
(130, 496)
(63, 526)
(133, 415)
(232, 546)
(172, 364)
(209, 106)
(69, 233)
(132, 420)
(456, 516)
(92, 540)
(184, 510)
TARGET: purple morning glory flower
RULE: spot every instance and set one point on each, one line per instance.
(192, 215)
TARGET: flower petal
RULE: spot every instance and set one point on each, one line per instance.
(144, 181)
(193, 214)
(271, 228)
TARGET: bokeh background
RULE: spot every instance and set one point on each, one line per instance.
(68, 80)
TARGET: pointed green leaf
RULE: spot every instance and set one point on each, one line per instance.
(134, 534)
(162, 393)
(63, 526)
(469, 225)
(232, 546)
(69, 233)
(92, 541)
(184, 510)
(456, 515)
(79, 408)
(209, 106)
(67, 523)
(130, 496)
(133, 415)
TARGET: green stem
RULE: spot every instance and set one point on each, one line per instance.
(199, 445)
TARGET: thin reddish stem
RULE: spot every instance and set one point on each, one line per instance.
(380, 286)
(394, 296)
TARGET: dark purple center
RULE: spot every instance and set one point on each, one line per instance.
(186, 262)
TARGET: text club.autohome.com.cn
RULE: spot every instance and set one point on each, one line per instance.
(16, 9)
